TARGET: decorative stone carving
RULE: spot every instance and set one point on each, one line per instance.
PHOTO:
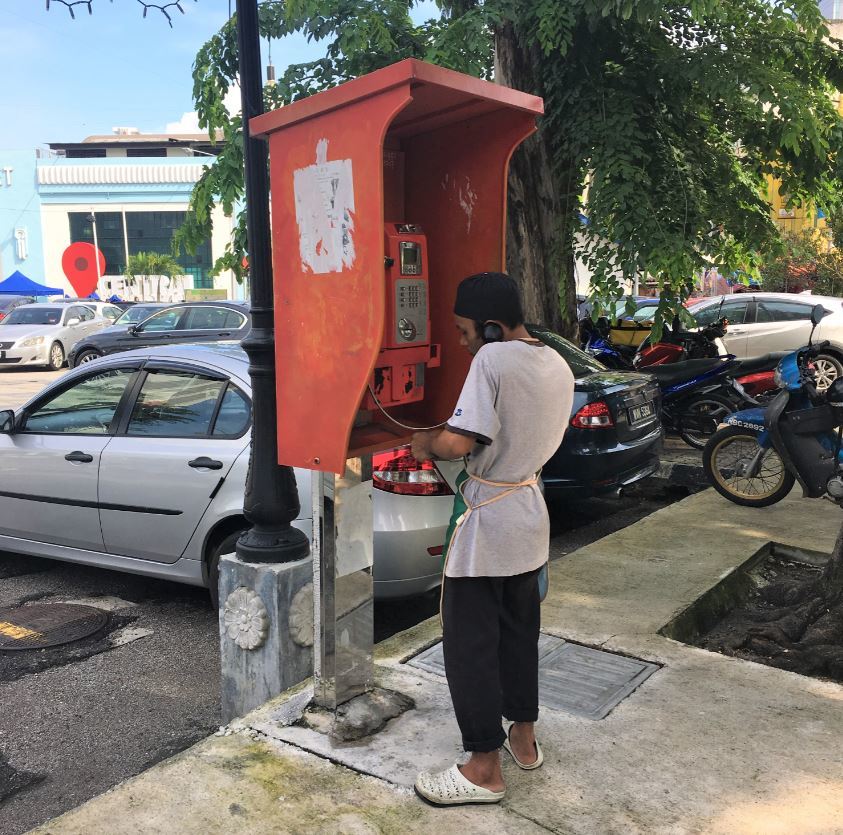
(301, 616)
(246, 619)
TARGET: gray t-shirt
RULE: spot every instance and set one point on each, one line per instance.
(516, 402)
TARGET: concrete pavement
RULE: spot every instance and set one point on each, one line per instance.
(706, 744)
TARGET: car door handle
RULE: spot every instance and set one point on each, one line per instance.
(79, 457)
(205, 463)
(225, 333)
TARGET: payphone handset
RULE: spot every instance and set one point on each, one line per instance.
(406, 350)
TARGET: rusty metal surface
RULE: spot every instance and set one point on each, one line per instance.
(42, 625)
(454, 135)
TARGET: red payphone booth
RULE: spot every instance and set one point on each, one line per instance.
(386, 192)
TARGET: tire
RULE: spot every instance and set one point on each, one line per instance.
(56, 355)
(773, 482)
(713, 404)
(86, 356)
(826, 370)
(225, 547)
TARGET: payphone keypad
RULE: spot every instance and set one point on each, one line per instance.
(411, 310)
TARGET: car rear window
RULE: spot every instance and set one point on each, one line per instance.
(579, 362)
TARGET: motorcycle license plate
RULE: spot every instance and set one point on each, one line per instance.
(639, 413)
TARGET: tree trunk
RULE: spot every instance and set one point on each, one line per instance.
(539, 239)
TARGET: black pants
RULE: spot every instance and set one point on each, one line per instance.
(490, 639)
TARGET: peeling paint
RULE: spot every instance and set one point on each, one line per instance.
(468, 199)
(324, 195)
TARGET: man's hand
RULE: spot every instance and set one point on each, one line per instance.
(421, 445)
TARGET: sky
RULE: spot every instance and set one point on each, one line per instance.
(66, 79)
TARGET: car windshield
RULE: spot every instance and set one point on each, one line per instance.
(27, 315)
(136, 313)
(579, 362)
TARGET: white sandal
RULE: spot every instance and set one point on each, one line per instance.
(525, 766)
(451, 788)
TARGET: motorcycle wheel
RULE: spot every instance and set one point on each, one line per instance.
(713, 405)
(732, 446)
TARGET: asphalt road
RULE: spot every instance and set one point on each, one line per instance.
(78, 719)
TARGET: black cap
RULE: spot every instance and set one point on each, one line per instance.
(489, 296)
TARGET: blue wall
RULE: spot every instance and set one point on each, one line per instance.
(20, 208)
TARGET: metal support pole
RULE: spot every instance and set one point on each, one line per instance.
(271, 500)
(342, 583)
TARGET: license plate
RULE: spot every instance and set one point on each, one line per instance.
(639, 413)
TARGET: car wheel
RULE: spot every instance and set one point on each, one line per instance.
(225, 547)
(726, 458)
(56, 357)
(86, 356)
(826, 370)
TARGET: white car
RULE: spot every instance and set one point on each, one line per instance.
(137, 462)
(105, 309)
(44, 334)
(762, 323)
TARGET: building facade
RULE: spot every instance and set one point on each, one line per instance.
(128, 193)
(20, 215)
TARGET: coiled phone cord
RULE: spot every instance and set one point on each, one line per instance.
(398, 422)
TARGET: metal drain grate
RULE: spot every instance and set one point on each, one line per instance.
(44, 625)
(579, 680)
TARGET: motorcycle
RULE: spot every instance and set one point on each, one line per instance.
(698, 395)
(755, 375)
(760, 453)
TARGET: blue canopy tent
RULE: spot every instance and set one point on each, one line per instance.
(17, 284)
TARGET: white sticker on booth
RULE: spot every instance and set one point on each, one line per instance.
(324, 195)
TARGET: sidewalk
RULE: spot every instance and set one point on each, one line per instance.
(706, 744)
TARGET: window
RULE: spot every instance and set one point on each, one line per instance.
(213, 318)
(735, 312)
(84, 409)
(146, 152)
(26, 315)
(646, 313)
(175, 404)
(234, 415)
(782, 311)
(83, 314)
(579, 362)
(166, 320)
(85, 153)
(111, 311)
(109, 236)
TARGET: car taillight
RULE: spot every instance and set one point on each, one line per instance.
(593, 416)
(397, 471)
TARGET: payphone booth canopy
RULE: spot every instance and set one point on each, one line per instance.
(411, 143)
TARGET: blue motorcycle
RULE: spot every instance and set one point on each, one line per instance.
(760, 453)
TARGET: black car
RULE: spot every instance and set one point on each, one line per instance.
(175, 323)
(614, 436)
(9, 303)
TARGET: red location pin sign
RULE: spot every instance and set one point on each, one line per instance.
(79, 262)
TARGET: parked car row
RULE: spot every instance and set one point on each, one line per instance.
(79, 330)
(137, 461)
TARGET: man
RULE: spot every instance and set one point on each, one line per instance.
(510, 419)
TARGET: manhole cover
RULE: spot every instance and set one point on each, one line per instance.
(48, 625)
(580, 680)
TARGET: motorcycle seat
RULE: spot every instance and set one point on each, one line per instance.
(754, 365)
(679, 372)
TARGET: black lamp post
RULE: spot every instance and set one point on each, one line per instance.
(272, 500)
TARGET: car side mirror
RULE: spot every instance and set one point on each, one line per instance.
(73, 321)
(133, 329)
(7, 422)
(817, 314)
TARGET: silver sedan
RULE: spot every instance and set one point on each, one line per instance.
(43, 334)
(137, 462)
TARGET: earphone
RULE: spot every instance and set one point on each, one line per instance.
(492, 332)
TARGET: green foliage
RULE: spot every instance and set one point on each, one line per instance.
(804, 261)
(152, 264)
(663, 119)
